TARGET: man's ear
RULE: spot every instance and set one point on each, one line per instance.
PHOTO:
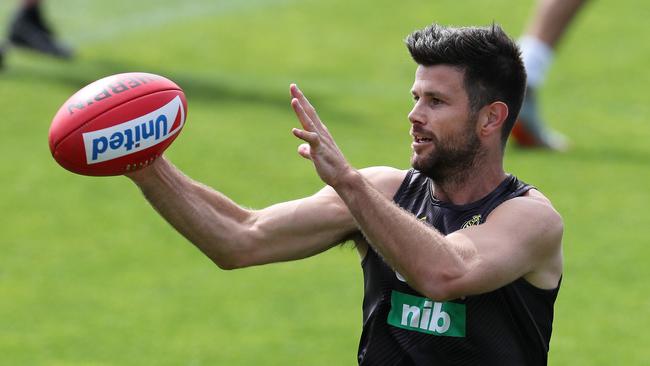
(491, 118)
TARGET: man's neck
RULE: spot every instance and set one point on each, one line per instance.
(469, 185)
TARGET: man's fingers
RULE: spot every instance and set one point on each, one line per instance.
(305, 151)
(304, 119)
(310, 137)
(306, 105)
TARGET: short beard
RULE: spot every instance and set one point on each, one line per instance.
(453, 158)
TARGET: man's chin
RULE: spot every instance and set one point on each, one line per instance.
(420, 162)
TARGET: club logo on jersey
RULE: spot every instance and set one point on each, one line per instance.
(423, 315)
(475, 220)
(132, 136)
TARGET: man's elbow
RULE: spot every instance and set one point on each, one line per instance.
(239, 254)
(440, 291)
(230, 261)
(444, 284)
(245, 246)
(226, 265)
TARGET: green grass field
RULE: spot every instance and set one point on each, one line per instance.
(90, 275)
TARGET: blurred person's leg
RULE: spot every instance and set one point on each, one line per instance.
(28, 29)
(549, 23)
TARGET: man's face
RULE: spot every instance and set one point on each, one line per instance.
(443, 127)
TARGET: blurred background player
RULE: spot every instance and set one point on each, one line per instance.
(28, 29)
(547, 26)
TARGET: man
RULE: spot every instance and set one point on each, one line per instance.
(461, 261)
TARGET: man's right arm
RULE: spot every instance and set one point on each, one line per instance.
(234, 237)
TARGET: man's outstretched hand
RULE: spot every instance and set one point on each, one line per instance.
(320, 147)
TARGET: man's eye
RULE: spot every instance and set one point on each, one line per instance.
(436, 101)
(416, 98)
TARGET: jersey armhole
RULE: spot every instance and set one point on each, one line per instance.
(403, 186)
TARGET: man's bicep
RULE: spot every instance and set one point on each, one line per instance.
(516, 240)
(305, 227)
(299, 228)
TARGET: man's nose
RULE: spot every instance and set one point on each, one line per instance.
(415, 116)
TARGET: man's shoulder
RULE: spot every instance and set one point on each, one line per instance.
(536, 200)
(531, 224)
(386, 179)
(534, 212)
(385, 172)
(532, 201)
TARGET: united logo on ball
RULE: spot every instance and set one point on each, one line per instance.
(117, 124)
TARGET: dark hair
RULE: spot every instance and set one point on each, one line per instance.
(490, 60)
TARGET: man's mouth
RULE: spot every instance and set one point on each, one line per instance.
(419, 138)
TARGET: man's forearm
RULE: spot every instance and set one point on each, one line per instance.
(205, 217)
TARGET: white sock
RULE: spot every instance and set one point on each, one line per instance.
(537, 57)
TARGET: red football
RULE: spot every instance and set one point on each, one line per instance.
(117, 124)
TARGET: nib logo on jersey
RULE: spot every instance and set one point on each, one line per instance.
(135, 135)
(422, 315)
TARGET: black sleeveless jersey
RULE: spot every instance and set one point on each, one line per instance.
(508, 326)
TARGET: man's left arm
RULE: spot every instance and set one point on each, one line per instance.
(520, 238)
